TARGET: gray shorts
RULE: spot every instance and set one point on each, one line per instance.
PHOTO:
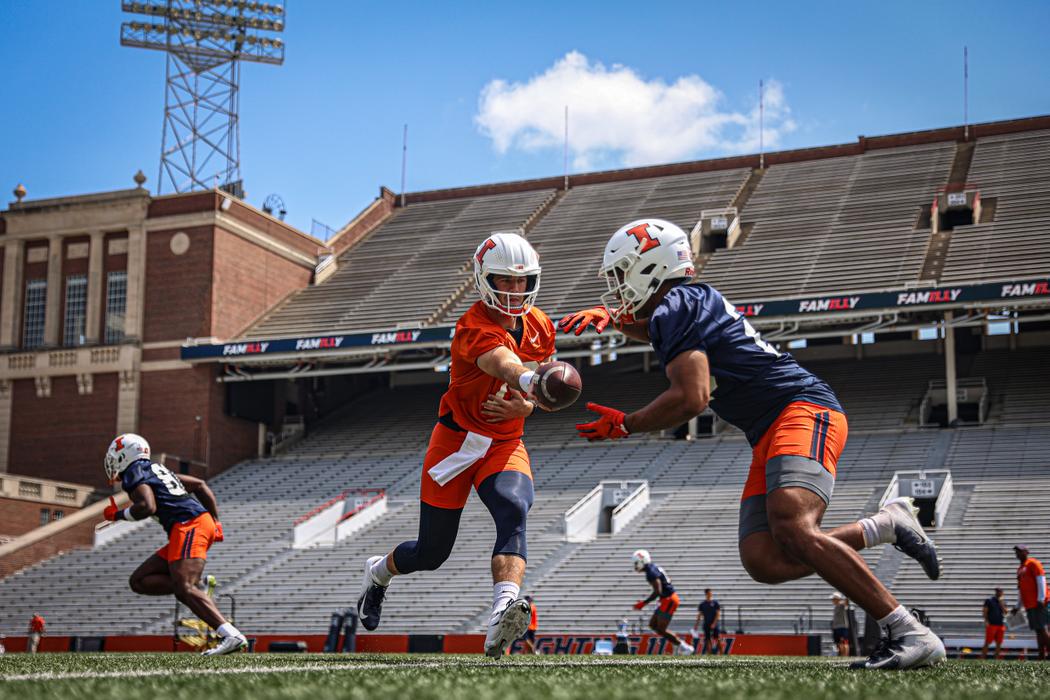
(1037, 618)
(782, 471)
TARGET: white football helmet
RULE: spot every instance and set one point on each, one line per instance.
(640, 558)
(507, 254)
(124, 450)
(639, 258)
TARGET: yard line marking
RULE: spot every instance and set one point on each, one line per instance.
(326, 668)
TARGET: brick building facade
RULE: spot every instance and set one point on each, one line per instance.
(97, 293)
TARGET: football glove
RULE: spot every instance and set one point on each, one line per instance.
(639, 605)
(609, 425)
(218, 532)
(582, 319)
(110, 512)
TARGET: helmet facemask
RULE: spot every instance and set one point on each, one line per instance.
(509, 303)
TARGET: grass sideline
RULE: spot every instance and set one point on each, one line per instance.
(448, 677)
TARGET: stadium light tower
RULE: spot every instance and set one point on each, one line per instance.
(205, 41)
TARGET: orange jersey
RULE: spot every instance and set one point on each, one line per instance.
(1027, 573)
(532, 618)
(469, 387)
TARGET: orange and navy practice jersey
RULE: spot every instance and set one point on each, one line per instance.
(469, 387)
(174, 503)
(1027, 573)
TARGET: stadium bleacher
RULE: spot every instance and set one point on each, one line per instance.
(1014, 169)
(835, 224)
(690, 526)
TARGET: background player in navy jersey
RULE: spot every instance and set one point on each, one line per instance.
(187, 509)
(710, 613)
(792, 419)
(669, 600)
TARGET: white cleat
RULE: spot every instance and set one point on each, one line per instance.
(904, 652)
(506, 627)
(911, 538)
(228, 646)
(685, 649)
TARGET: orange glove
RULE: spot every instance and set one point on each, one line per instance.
(582, 319)
(110, 512)
(218, 532)
(639, 605)
(609, 425)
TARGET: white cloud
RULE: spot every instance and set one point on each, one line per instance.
(618, 117)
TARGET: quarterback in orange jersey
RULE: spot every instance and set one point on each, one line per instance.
(476, 442)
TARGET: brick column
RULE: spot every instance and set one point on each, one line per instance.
(11, 299)
(5, 422)
(52, 322)
(95, 295)
(136, 299)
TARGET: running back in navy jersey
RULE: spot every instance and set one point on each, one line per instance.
(654, 572)
(754, 381)
(174, 503)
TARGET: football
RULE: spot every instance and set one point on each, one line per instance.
(559, 385)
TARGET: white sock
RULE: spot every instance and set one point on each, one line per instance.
(228, 630)
(900, 623)
(381, 572)
(503, 594)
(878, 529)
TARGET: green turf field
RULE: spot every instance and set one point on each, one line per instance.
(399, 677)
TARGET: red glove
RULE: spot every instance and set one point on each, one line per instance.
(581, 319)
(218, 532)
(110, 512)
(639, 605)
(609, 425)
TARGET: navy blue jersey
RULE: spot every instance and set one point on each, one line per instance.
(755, 380)
(995, 611)
(174, 503)
(653, 573)
(708, 608)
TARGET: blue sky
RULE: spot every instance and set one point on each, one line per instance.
(648, 82)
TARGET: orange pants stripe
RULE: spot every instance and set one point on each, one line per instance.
(802, 429)
(189, 540)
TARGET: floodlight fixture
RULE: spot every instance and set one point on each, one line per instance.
(205, 41)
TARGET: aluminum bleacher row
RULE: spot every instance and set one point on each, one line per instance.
(398, 274)
(571, 237)
(836, 224)
(1015, 169)
(1002, 475)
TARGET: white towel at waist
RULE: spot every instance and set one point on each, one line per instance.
(473, 448)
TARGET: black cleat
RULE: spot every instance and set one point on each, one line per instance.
(370, 603)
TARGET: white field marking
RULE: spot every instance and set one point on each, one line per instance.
(321, 667)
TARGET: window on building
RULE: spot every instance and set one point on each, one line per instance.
(76, 310)
(57, 515)
(35, 313)
(116, 302)
(45, 516)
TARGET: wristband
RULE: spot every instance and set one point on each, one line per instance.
(125, 514)
(525, 380)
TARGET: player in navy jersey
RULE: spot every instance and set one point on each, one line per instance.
(187, 510)
(792, 419)
(669, 600)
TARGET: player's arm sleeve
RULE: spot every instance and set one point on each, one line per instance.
(471, 343)
(134, 476)
(678, 327)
